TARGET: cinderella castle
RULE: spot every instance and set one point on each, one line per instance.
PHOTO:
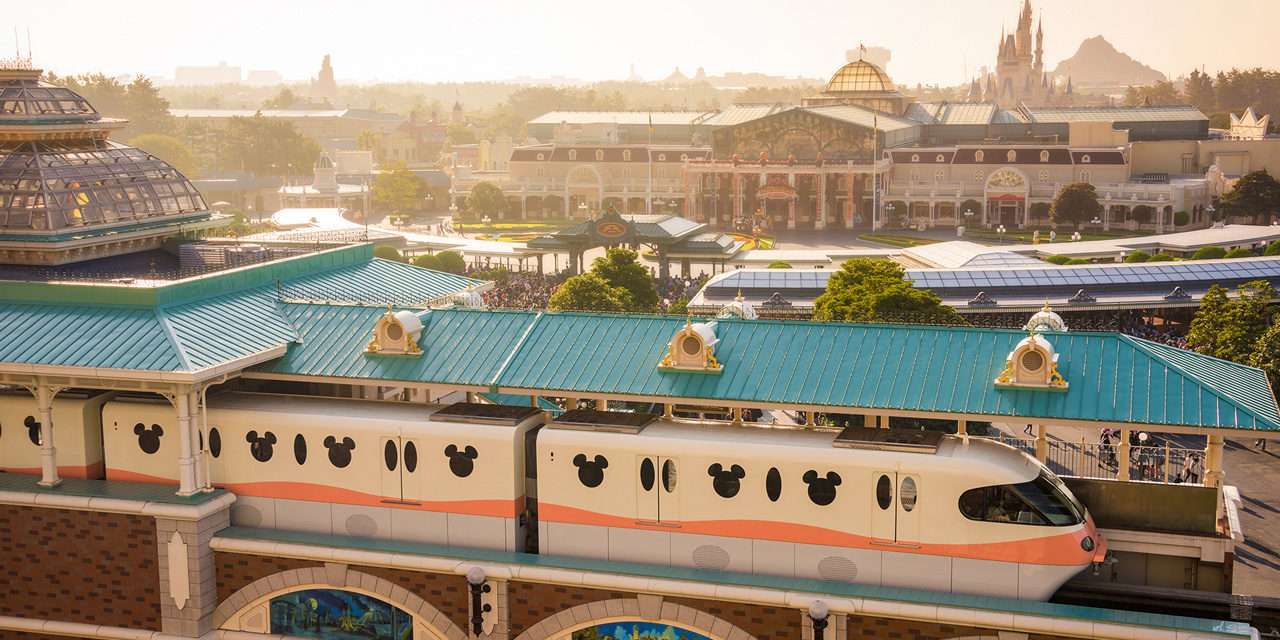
(1020, 76)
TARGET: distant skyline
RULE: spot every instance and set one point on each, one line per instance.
(933, 41)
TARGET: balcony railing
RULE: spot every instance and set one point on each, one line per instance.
(1167, 464)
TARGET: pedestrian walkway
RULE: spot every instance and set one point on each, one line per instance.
(1257, 475)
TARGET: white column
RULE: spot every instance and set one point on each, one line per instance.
(1042, 444)
(48, 455)
(186, 466)
(201, 439)
(1213, 473)
(1122, 473)
(820, 204)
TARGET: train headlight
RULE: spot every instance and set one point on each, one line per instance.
(1087, 543)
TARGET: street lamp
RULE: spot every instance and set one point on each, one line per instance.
(1096, 221)
(476, 583)
(889, 208)
(1001, 230)
(818, 612)
(582, 209)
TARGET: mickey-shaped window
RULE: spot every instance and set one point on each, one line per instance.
(33, 429)
(461, 461)
(590, 471)
(261, 447)
(726, 482)
(822, 489)
(148, 437)
(339, 450)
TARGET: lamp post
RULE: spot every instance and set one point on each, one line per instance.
(582, 209)
(476, 582)
(1001, 230)
(818, 612)
(890, 207)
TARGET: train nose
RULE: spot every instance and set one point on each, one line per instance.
(1093, 542)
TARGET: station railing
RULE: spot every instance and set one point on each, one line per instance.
(1162, 463)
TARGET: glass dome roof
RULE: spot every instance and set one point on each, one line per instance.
(859, 76)
(24, 97)
(60, 185)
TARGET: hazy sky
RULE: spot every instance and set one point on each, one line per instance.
(933, 41)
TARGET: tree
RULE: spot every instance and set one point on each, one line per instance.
(1209, 253)
(387, 253)
(1229, 328)
(285, 99)
(396, 189)
(1266, 354)
(1159, 94)
(169, 149)
(620, 267)
(1198, 91)
(1137, 256)
(486, 199)
(1076, 203)
(779, 264)
(1181, 218)
(589, 292)
(1255, 194)
(268, 147)
(452, 262)
(870, 290)
(1144, 214)
(1239, 252)
(1273, 248)
(147, 111)
(459, 133)
(679, 307)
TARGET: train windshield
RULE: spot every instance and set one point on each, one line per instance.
(1042, 501)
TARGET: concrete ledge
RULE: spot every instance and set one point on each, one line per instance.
(72, 502)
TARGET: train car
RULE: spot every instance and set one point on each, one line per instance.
(868, 506)
(77, 433)
(447, 475)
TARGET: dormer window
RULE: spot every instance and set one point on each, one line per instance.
(1032, 364)
(1012, 155)
(978, 155)
(692, 349)
(1044, 156)
(396, 333)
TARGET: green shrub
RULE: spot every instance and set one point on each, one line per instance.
(1239, 253)
(1180, 218)
(387, 253)
(1058, 259)
(1272, 249)
(779, 264)
(1138, 256)
(1209, 253)
(1078, 261)
(1160, 257)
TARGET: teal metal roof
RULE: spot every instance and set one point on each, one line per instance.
(914, 596)
(1113, 378)
(457, 348)
(202, 322)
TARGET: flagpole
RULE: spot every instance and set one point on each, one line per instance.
(648, 199)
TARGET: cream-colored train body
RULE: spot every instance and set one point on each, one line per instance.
(344, 467)
(77, 433)
(787, 502)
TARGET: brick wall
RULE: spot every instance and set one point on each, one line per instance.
(765, 623)
(446, 592)
(79, 566)
(530, 602)
(863, 627)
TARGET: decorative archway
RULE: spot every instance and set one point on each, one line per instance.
(645, 609)
(248, 609)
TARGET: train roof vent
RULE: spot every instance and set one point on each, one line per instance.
(911, 441)
(501, 414)
(607, 421)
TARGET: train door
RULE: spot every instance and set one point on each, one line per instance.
(410, 475)
(392, 482)
(657, 496)
(647, 490)
(883, 514)
(894, 516)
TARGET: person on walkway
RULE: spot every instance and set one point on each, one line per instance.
(1028, 430)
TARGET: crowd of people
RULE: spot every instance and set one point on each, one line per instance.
(515, 290)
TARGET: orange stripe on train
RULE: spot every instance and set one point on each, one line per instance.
(1056, 549)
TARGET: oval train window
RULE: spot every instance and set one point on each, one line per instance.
(390, 455)
(215, 442)
(884, 492)
(773, 484)
(669, 475)
(907, 494)
(647, 474)
(299, 448)
(410, 457)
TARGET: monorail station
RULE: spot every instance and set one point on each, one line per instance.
(318, 443)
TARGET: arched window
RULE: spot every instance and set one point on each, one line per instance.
(599, 155)
(978, 155)
(940, 158)
(1043, 175)
(1084, 176)
(978, 175)
(1012, 155)
(662, 157)
(325, 612)
(939, 175)
(1085, 159)
(915, 157)
(1044, 156)
(626, 155)
(573, 154)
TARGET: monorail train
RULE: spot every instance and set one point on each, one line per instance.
(903, 509)
(79, 446)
